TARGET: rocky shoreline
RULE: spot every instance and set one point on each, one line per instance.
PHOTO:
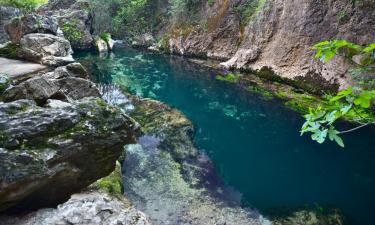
(58, 136)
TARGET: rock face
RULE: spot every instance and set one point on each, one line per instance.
(94, 208)
(31, 23)
(74, 18)
(46, 49)
(282, 34)
(49, 153)
(278, 34)
(6, 14)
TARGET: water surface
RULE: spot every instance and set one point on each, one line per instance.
(253, 142)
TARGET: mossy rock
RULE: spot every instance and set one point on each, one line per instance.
(4, 83)
(111, 184)
(9, 51)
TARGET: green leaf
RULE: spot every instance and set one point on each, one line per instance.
(370, 48)
(342, 94)
(344, 110)
(364, 99)
(320, 135)
(339, 141)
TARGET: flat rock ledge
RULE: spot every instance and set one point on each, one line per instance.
(93, 208)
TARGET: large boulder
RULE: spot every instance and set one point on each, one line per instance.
(46, 49)
(66, 83)
(47, 154)
(74, 18)
(94, 208)
(6, 14)
(31, 23)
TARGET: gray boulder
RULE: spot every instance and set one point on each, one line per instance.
(46, 49)
(47, 154)
(31, 23)
(75, 20)
(66, 83)
(6, 14)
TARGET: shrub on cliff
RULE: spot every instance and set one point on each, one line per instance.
(25, 5)
(353, 100)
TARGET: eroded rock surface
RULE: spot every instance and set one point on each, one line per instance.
(46, 49)
(47, 154)
(30, 23)
(74, 18)
(67, 83)
(6, 14)
(95, 208)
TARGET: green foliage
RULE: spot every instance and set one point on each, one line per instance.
(229, 77)
(25, 5)
(9, 51)
(71, 31)
(248, 9)
(211, 2)
(326, 50)
(133, 17)
(105, 36)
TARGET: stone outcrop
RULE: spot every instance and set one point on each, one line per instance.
(93, 208)
(28, 24)
(6, 14)
(39, 39)
(67, 83)
(49, 153)
(46, 49)
(74, 18)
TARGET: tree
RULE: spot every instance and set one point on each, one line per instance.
(353, 100)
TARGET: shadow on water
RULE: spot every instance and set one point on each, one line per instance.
(254, 144)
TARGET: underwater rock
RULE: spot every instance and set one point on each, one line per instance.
(46, 49)
(30, 23)
(310, 217)
(167, 178)
(93, 208)
(47, 154)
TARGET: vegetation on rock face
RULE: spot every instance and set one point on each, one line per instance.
(112, 184)
(229, 77)
(10, 51)
(71, 31)
(26, 5)
(248, 9)
(355, 101)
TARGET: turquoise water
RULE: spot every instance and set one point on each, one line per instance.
(253, 142)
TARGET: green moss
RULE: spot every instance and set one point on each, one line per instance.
(261, 91)
(112, 184)
(9, 51)
(229, 77)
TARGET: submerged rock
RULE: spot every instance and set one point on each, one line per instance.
(47, 154)
(168, 179)
(93, 208)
